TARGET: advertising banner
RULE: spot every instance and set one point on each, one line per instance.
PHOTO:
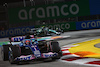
(51, 11)
(66, 26)
(88, 24)
(94, 7)
(15, 31)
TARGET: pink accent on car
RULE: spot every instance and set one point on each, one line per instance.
(50, 53)
(12, 39)
(23, 56)
(42, 55)
(32, 57)
(32, 36)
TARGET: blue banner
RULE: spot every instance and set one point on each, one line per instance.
(94, 7)
(15, 31)
(88, 24)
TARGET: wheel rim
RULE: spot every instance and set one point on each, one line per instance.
(11, 58)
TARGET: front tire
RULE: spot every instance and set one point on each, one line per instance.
(56, 48)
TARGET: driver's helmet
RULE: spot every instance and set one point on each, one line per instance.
(57, 28)
(43, 26)
(27, 42)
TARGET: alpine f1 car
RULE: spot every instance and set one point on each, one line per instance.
(45, 31)
(27, 49)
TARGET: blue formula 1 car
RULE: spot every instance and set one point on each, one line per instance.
(30, 49)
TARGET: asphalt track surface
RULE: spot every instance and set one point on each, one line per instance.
(75, 36)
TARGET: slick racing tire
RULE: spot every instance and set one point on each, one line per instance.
(13, 53)
(56, 48)
(5, 51)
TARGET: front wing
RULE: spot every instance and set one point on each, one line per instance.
(32, 57)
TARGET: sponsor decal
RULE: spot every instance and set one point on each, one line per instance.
(88, 24)
(24, 58)
(18, 39)
(46, 55)
(37, 53)
(51, 11)
(45, 12)
(64, 26)
(15, 31)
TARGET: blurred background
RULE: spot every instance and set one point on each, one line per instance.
(5, 4)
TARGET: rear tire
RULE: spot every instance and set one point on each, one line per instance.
(14, 53)
(4, 52)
